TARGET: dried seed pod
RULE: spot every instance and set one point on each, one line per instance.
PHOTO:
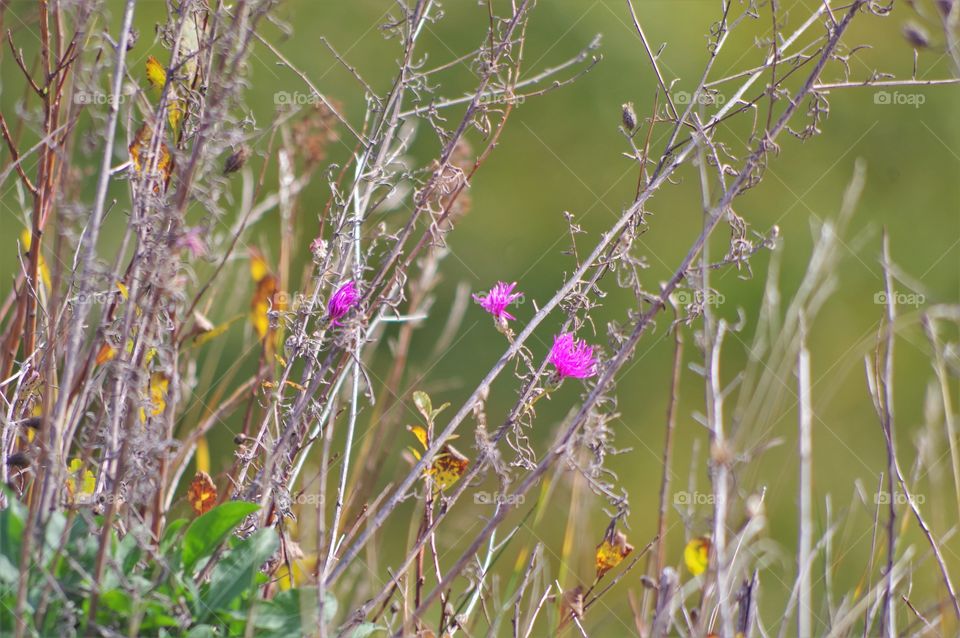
(132, 38)
(237, 159)
(18, 459)
(629, 117)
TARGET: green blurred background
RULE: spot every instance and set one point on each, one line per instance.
(563, 152)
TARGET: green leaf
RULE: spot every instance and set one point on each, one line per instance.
(171, 534)
(236, 572)
(424, 404)
(202, 631)
(9, 573)
(366, 629)
(11, 530)
(289, 613)
(117, 602)
(437, 412)
(124, 557)
(53, 534)
(207, 532)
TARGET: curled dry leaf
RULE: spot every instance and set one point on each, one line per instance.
(202, 493)
(237, 159)
(571, 605)
(612, 551)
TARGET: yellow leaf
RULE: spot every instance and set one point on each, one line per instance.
(124, 291)
(202, 493)
(303, 572)
(156, 74)
(611, 552)
(697, 555)
(263, 296)
(258, 267)
(420, 432)
(448, 467)
(159, 383)
(26, 239)
(80, 483)
(175, 110)
(203, 455)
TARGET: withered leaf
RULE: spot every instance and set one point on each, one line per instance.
(611, 552)
(202, 493)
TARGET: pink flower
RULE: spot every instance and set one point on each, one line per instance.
(496, 301)
(572, 358)
(342, 301)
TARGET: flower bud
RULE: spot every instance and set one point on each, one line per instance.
(916, 36)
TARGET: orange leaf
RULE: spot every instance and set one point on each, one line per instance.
(262, 303)
(264, 296)
(202, 493)
(106, 353)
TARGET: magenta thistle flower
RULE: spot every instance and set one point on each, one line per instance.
(496, 301)
(342, 301)
(572, 358)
